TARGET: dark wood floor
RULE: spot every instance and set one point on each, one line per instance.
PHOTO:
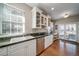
(62, 48)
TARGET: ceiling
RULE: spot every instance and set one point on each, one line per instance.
(60, 9)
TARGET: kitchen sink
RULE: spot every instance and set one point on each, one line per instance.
(38, 34)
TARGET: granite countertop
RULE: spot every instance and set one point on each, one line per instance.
(10, 41)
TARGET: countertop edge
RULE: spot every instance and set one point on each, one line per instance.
(24, 40)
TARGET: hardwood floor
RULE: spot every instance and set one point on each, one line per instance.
(62, 48)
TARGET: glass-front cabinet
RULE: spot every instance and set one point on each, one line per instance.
(43, 21)
(39, 20)
(36, 17)
(11, 20)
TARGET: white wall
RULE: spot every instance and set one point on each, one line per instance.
(28, 16)
(0, 26)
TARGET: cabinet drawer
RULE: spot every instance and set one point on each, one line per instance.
(3, 51)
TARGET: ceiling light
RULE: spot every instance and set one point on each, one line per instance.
(66, 15)
(52, 8)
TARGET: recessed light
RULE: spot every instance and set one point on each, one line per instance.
(52, 8)
(66, 15)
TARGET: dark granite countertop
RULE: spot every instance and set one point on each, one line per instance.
(18, 39)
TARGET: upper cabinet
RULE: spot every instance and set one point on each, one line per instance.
(39, 20)
(36, 16)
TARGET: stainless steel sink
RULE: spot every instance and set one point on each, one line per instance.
(38, 34)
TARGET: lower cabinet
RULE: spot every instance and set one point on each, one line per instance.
(39, 45)
(48, 40)
(23, 49)
(29, 48)
(3, 51)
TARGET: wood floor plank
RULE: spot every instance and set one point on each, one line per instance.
(62, 48)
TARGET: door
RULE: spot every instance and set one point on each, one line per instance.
(67, 31)
(70, 32)
(61, 31)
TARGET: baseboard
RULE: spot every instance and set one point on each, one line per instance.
(70, 41)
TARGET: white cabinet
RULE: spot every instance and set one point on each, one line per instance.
(31, 50)
(44, 21)
(36, 17)
(3, 51)
(48, 40)
(39, 20)
(23, 49)
(51, 39)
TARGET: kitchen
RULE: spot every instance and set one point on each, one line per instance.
(28, 30)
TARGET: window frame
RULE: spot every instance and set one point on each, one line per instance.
(23, 20)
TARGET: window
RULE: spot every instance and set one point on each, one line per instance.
(5, 27)
(11, 20)
(67, 31)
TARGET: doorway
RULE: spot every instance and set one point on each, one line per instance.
(67, 31)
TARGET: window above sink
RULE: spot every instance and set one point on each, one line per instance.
(12, 20)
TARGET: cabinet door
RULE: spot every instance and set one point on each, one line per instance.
(40, 45)
(3, 51)
(31, 50)
(48, 40)
(36, 17)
